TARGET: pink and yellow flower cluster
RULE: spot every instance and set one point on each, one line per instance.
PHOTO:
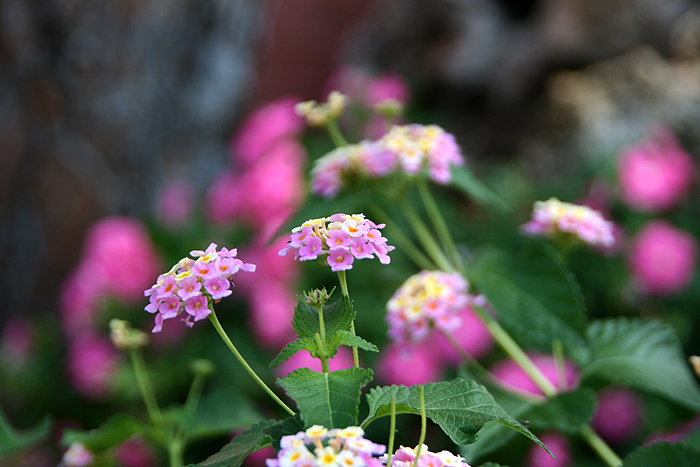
(192, 283)
(553, 217)
(339, 240)
(320, 447)
(427, 300)
(406, 457)
(409, 149)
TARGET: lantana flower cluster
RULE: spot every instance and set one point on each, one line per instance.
(192, 283)
(553, 217)
(409, 149)
(405, 457)
(425, 301)
(320, 447)
(338, 240)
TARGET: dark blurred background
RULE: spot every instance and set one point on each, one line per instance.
(101, 103)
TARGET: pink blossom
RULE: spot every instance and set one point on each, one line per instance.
(558, 444)
(342, 361)
(655, 174)
(662, 258)
(271, 311)
(408, 366)
(189, 287)
(91, 365)
(79, 299)
(384, 87)
(340, 259)
(122, 249)
(135, 452)
(197, 307)
(175, 203)
(471, 334)
(224, 199)
(516, 380)
(77, 455)
(618, 415)
(271, 266)
(218, 287)
(257, 458)
(263, 127)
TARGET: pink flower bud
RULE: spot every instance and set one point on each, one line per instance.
(557, 444)
(515, 379)
(618, 416)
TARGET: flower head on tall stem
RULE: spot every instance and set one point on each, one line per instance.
(338, 241)
(192, 284)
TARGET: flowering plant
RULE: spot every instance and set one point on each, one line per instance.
(449, 274)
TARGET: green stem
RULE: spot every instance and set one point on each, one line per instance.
(558, 353)
(438, 222)
(423, 424)
(195, 393)
(344, 289)
(215, 321)
(426, 237)
(392, 430)
(599, 446)
(175, 449)
(144, 384)
(403, 242)
(324, 359)
(335, 134)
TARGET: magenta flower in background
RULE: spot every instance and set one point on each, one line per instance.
(135, 452)
(427, 301)
(618, 416)
(175, 203)
(92, 363)
(514, 378)
(313, 240)
(558, 444)
(224, 199)
(303, 359)
(271, 311)
(388, 86)
(472, 335)
(662, 258)
(264, 127)
(404, 457)
(419, 364)
(553, 218)
(191, 284)
(655, 174)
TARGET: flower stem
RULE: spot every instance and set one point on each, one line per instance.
(335, 134)
(423, 424)
(215, 321)
(324, 359)
(403, 242)
(344, 289)
(599, 446)
(438, 222)
(144, 384)
(392, 430)
(426, 238)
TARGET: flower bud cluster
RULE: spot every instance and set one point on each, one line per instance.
(320, 447)
(338, 240)
(192, 283)
(125, 337)
(321, 114)
(409, 149)
(553, 217)
(427, 300)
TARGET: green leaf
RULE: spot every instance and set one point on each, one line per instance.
(643, 354)
(464, 179)
(337, 316)
(221, 410)
(461, 408)
(537, 299)
(351, 340)
(11, 439)
(328, 399)
(292, 348)
(663, 454)
(235, 452)
(117, 429)
(289, 426)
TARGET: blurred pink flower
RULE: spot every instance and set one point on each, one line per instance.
(656, 173)
(384, 87)
(135, 452)
(257, 458)
(79, 299)
(77, 455)
(618, 416)
(514, 378)
(271, 311)
(16, 341)
(92, 363)
(224, 199)
(263, 127)
(271, 266)
(408, 366)
(662, 258)
(472, 334)
(122, 249)
(558, 444)
(342, 361)
(175, 203)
